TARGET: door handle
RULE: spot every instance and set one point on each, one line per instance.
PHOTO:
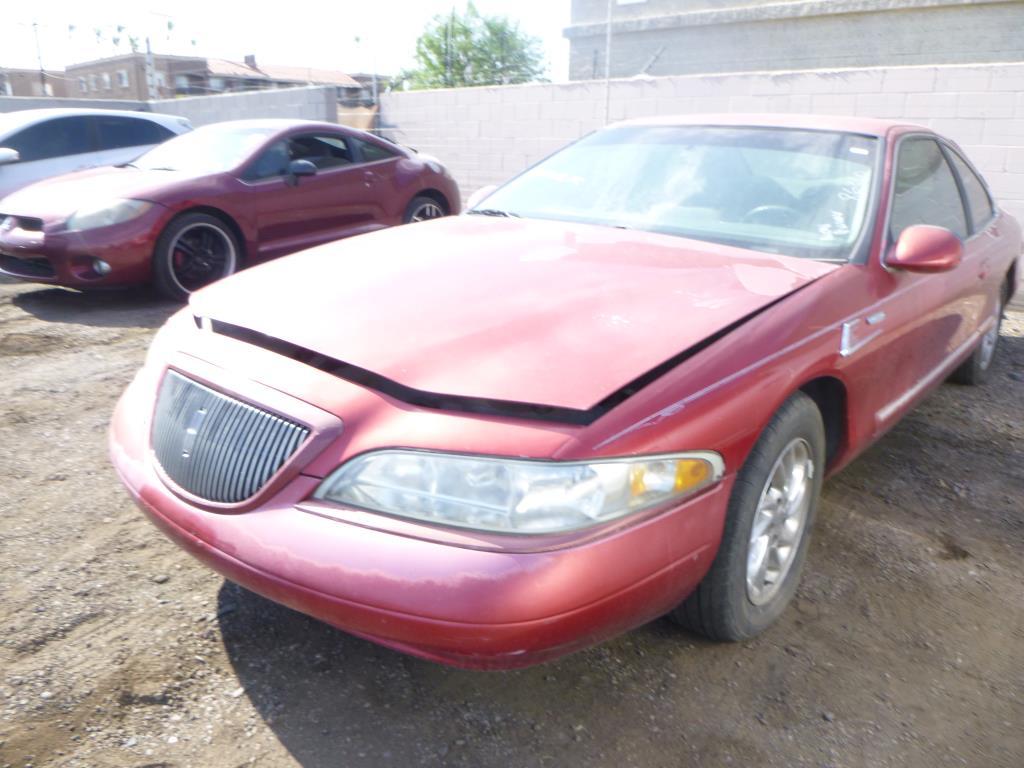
(369, 178)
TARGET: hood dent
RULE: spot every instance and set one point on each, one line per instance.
(481, 405)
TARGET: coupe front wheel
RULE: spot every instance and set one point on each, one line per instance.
(193, 251)
(772, 507)
(423, 209)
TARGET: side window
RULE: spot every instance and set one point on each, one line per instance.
(273, 161)
(54, 138)
(115, 132)
(324, 151)
(374, 152)
(977, 198)
(925, 191)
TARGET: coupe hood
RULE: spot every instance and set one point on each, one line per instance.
(57, 198)
(524, 311)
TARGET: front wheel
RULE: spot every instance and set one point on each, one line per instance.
(772, 507)
(423, 209)
(193, 251)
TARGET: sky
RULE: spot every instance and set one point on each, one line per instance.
(313, 34)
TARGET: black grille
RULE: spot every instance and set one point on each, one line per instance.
(216, 447)
(36, 267)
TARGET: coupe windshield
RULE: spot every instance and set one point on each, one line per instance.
(210, 149)
(795, 192)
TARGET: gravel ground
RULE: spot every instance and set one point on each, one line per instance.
(905, 645)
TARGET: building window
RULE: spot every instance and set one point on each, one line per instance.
(122, 78)
(83, 85)
(106, 81)
(216, 84)
(161, 80)
(92, 82)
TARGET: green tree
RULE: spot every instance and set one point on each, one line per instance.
(470, 49)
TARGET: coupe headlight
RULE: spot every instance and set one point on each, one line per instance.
(107, 213)
(516, 496)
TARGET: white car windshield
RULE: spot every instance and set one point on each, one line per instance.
(796, 192)
(210, 149)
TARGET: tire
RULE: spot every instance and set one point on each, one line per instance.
(975, 369)
(724, 607)
(422, 208)
(213, 253)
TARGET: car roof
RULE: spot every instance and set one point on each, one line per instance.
(275, 123)
(868, 126)
(15, 121)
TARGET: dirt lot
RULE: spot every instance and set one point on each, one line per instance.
(905, 646)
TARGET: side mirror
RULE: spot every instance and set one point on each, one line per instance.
(924, 248)
(299, 168)
(8, 156)
(478, 197)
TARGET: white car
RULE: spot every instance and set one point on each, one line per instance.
(38, 143)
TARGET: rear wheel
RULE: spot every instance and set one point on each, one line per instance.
(193, 251)
(423, 208)
(975, 368)
(772, 507)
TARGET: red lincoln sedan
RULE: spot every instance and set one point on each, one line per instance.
(608, 392)
(207, 203)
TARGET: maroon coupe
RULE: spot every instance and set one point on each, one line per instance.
(202, 205)
(609, 392)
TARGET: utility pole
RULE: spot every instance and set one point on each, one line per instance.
(39, 57)
(151, 93)
(608, 63)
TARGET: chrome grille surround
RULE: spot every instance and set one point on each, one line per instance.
(215, 447)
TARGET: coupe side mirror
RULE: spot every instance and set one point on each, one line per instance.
(8, 156)
(924, 248)
(477, 197)
(300, 168)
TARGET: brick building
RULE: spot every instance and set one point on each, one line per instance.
(29, 82)
(124, 77)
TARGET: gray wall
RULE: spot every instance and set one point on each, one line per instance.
(667, 37)
(312, 103)
(486, 135)
(307, 103)
(18, 103)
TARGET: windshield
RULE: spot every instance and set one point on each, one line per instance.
(794, 192)
(211, 149)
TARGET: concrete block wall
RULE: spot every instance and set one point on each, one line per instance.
(18, 103)
(486, 135)
(311, 103)
(306, 103)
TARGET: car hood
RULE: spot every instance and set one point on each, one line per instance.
(59, 197)
(517, 310)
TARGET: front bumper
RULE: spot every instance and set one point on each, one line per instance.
(59, 257)
(471, 604)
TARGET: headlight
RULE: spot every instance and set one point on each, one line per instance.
(108, 213)
(516, 496)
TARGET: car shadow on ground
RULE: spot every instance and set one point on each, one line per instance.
(333, 699)
(124, 308)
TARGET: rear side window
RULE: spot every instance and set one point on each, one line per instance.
(926, 190)
(324, 151)
(374, 152)
(53, 138)
(977, 198)
(114, 132)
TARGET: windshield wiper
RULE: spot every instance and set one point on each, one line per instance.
(127, 165)
(162, 168)
(494, 212)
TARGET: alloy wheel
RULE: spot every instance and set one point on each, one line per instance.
(779, 521)
(200, 254)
